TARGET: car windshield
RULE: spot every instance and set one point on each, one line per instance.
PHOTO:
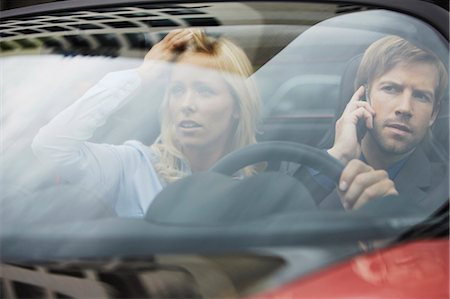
(88, 138)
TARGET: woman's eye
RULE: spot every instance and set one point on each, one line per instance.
(176, 90)
(205, 91)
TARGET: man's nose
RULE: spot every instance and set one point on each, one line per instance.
(188, 104)
(404, 105)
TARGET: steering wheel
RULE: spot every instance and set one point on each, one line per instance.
(277, 151)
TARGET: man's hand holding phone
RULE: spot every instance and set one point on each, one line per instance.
(347, 145)
(359, 182)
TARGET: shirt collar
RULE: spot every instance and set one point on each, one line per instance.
(393, 170)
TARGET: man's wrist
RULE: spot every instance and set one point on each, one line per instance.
(335, 153)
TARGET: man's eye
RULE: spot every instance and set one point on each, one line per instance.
(422, 97)
(390, 89)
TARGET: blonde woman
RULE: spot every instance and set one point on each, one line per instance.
(210, 109)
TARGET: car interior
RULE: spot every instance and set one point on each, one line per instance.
(305, 58)
(315, 63)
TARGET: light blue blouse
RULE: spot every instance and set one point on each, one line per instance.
(122, 174)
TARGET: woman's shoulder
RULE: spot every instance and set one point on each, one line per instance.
(146, 157)
(137, 145)
(142, 149)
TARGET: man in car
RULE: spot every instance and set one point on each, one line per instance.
(397, 102)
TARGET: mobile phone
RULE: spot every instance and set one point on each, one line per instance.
(361, 128)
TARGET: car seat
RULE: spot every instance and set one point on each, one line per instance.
(345, 93)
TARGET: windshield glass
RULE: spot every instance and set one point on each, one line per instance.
(120, 113)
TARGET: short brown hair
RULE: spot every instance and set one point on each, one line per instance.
(385, 53)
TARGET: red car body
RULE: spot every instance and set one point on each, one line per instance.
(414, 270)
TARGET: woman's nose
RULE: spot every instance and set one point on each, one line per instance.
(188, 104)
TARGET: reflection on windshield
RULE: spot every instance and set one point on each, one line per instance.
(210, 108)
(118, 131)
(409, 270)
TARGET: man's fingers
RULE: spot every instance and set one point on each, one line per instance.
(380, 189)
(357, 95)
(346, 144)
(363, 114)
(351, 170)
(352, 181)
(361, 187)
(360, 183)
(367, 106)
(351, 107)
(357, 110)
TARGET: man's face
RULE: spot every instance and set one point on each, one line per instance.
(403, 100)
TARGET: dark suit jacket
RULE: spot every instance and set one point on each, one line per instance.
(424, 182)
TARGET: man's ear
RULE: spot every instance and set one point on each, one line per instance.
(434, 114)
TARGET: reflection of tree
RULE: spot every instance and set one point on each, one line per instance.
(409, 269)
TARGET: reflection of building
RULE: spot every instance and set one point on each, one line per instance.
(159, 276)
(97, 31)
(11, 4)
(97, 280)
(128, 31)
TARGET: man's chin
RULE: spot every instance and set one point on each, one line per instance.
(393, 145)
(398, 148)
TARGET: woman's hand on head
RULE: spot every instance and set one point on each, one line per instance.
(163, 52)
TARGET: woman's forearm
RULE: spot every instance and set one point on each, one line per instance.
(62, 140)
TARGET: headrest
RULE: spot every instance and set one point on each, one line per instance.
(345, 93)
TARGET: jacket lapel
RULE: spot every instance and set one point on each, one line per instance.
(415, 176)
(411, 181)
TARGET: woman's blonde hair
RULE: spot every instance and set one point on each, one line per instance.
(235, 68)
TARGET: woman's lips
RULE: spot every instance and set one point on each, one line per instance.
(189, 125)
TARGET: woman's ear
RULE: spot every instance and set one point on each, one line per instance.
(236, 112)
